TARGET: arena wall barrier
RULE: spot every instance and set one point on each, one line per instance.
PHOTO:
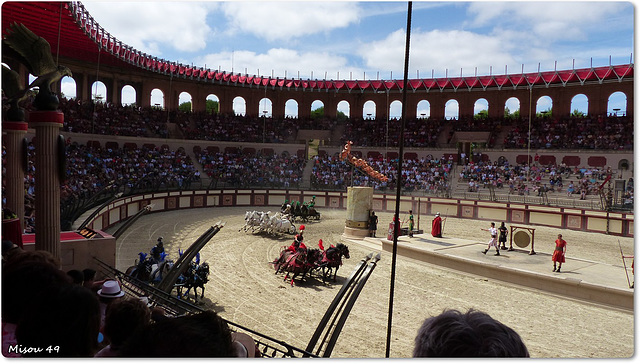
(621, 224)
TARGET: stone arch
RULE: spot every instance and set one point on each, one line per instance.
(68, 87)
(369, 110)
(98, 91)
(265, 106)
(511, 106)
(215, 99)
(291, 108)
(452, 109)
(544, 104)
(423, 109)
(127, 95)
(617, 103)
(580, 103)
(395, 110)
(157, 98)
(239, 106)
(316, 104)
(481, 104)
(344, 107)
(185, 97)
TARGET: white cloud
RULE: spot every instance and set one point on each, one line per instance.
(278, 60)
(567, 20)
(68, 86)
(439, 51)
(289, 20)
(181, 25)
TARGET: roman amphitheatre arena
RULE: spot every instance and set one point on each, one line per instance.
(133, 172)
(244, 289)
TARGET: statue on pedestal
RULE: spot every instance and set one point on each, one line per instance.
(35, 53)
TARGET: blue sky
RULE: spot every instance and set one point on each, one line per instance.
(365, 40)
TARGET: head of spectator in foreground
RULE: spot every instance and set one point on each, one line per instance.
(467, 335)
(123, 319)
(200, 335)
(77, 276)
(64, 319)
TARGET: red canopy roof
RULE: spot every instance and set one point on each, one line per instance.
(82, 38)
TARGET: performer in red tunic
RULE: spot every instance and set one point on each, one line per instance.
(558, 253)
(436, 226)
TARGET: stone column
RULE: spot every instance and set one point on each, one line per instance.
(47, 125)
(359, 204)
(13, 137)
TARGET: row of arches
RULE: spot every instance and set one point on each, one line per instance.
(617, 102)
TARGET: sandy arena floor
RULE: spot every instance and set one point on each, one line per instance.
(244, 289)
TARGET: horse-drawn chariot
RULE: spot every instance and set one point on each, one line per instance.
(167, 275)
(302, 211)
(267, 222)
(304, 261)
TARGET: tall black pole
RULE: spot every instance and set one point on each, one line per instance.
(396, 216)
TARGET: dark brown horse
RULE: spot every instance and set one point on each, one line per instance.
(331, 260)
(197, 278)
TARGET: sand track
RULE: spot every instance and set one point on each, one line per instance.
(244, 289)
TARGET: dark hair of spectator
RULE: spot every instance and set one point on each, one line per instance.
(200, 335)
(89, 274)
(467, 335)
(22, 282)
(76, 276)
(123, 318)
(64, 319)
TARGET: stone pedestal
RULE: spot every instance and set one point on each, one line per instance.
(47, 125)
(12, 139)
(359, 204)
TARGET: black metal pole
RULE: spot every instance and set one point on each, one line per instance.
(396, 216)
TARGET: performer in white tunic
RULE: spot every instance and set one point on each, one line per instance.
(494, 239)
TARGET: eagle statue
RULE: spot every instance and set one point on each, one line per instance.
(35, 53)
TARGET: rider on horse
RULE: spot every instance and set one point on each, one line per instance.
(157, 250)
(297, 241)
(311, 203)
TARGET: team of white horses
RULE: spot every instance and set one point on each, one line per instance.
(276, 223)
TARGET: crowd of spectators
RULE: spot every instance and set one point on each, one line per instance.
(90, 169)
(492, 125)
(111, 119)
(225, 127)
(426, 175)
(238, 169)
(536, 179)
(586, 132)
(547, 132)
(419, 132)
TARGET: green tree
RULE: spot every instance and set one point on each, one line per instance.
(481, 115)
(317, 113)
(544, 113)
(185, 106)
(578, 113)
(511, 115)
(212, 107)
